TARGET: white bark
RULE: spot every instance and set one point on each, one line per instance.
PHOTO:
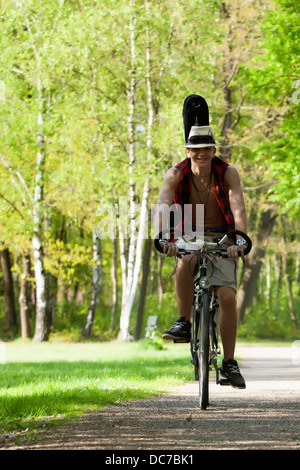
(41, 325)
(144, 206)
(136, 242)
(122, 238)
(95, 285)
(126, 311)
(114, 281)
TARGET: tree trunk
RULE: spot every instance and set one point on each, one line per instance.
(143, 289)
(42, 324)
(278, 277)
(126, 304)
(9, 300)
(39, 43)
(136, 243)
(41, 320)
(138, 257)
(24, 296)
(51, 296)
(286, 276)
(254, 262)
(114, 280)
(268, 279)
(122, 238)
(95, 286)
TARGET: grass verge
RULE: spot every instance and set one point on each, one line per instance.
(44, 383)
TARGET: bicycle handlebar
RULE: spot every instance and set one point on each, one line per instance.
(210, 245)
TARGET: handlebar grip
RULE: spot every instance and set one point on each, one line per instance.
(157, 244)
(176, 233)
(242, 234)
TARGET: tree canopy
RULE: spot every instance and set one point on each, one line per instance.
(91, 98)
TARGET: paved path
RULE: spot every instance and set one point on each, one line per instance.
(264, 416)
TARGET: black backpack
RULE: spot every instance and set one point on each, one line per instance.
(195, 113)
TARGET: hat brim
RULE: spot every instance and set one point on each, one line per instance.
(197, 146)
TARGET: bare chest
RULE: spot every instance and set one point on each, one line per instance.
(206, 195)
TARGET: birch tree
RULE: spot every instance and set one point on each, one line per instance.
(95, 285)
(37, 39)
(41, 49)
(126, 310)
(136, 242)
(139, 230)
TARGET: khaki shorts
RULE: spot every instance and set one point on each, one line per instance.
(221, 271)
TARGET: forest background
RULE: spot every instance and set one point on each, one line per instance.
(91, 96)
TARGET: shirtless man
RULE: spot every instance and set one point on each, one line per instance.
(203, 178)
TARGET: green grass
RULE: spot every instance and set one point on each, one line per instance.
(41, 383)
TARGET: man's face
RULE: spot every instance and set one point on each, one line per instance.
(202, 157)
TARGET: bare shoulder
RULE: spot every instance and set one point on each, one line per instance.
(173, 173)
(232, 178)
(169, 187)
(172, 176)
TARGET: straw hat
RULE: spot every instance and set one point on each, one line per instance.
(201, 136)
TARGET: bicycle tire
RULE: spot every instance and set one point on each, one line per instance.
(195, 342)
(203, 352)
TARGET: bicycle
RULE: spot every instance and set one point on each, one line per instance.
(204, 343)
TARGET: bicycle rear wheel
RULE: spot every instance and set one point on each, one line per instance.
(203, 352)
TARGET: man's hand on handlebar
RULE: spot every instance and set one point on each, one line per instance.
(234, 250)
(241, 248)
(170, 249)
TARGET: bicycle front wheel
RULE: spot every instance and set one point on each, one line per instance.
(203, 352)
(195, 342)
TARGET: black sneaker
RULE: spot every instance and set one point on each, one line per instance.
(231, 371)
(180, 330)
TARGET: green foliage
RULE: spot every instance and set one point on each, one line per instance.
(63, 260)
(273, 79)
(262, 322)
(166, 311)
(155, 343)
(85, 76)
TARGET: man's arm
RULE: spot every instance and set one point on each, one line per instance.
(165, 201)
(166, 196)
(236, 198)
(237, 204)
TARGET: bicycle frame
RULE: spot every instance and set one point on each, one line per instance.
(204, 341)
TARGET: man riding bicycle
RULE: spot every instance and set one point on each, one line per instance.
(203, 178)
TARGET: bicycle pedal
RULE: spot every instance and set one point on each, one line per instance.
(224, 382)
(181, 340)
